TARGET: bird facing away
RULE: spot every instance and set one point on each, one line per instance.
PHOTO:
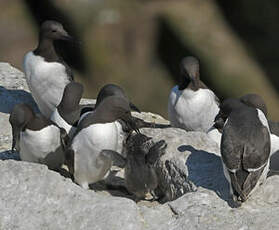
(255, 100)
(245, 148)
(66, 115)
(142, 155)
(96, 132)
(36, 138)
(46, 72)
(192, 106)
(252, 100)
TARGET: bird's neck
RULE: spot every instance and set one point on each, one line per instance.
(47, 50)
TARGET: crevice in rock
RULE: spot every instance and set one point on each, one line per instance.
(176, 214)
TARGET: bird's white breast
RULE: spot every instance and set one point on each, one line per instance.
(36, 145)
(46, 81)
(192, 110)
(121, 137)
(89, 165)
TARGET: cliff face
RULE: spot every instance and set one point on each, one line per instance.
(191, 175)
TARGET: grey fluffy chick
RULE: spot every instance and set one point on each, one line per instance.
(142, 155)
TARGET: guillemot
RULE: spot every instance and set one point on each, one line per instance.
(255, 100)
(36, 138)
(45, 71)
(97, 132)
(192, 106)
(245, 147)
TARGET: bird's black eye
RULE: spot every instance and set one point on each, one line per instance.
(53, 31)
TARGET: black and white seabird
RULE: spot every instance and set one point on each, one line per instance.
(96, 132)
(36, 138)
(192, 106)
(245, 147)
(115, 90)
(140, 174)
(67, 114)
(255, 100)
(46, 73)
(252, 100)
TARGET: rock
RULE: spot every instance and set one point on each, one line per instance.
(205, 210)
(151, 117)
(187, 155)
(33, 197)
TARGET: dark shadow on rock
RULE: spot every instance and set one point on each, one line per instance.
(11, 97)
(9, 155)
(114, 185)
(206, 170)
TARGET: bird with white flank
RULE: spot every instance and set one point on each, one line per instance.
(36, 138)
(87, 160)
(245, 148)
(192, 106)
(46, 72)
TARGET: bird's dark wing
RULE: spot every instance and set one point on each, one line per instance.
(155, 152)
(116, 158)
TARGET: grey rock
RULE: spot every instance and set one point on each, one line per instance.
(205, 210)
(33, 197)
(192, 159)
(155, 216)
(151, 117)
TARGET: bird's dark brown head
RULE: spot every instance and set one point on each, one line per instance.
(190, 73)
(254, 100)
(226, 107)
(53, 30)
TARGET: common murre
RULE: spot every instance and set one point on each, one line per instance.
(192, 106)
(46, 73)
(96, 132)
(245, 147)
(36, 138)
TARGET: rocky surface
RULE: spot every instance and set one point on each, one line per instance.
(33, 197)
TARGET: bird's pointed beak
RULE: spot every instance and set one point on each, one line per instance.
(65, 36)
(133, 107)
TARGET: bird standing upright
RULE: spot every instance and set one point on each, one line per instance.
(245, 147)
(45, 71)
(192, 106)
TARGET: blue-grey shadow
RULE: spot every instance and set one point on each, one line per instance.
(9, 155)
(11, 97)
(206, 170)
